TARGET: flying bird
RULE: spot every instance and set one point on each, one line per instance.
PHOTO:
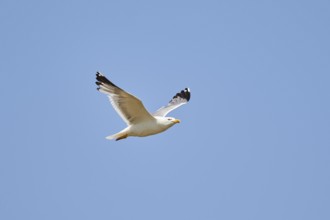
(140, 122)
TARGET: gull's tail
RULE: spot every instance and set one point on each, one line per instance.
(120, 135)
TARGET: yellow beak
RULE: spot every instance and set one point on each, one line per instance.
(176, 121)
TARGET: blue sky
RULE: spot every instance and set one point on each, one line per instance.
(254, 141)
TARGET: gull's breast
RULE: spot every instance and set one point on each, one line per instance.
(146, 129)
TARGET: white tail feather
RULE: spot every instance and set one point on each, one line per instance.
(111, 137)
(118, 136)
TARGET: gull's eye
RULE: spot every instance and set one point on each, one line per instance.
(169, 119)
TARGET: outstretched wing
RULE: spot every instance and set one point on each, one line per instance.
(179, 99)
(130, 108)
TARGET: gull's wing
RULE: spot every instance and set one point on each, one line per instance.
(130, 108)
(179, 99)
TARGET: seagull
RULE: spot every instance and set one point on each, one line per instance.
(140, 122)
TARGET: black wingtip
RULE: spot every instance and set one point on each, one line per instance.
(99, 75)
(102, 79)
(185, 94)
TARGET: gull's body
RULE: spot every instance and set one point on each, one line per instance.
(140, 122)
(147, 128)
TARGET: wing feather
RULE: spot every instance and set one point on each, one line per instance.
(129, 107)
(179, 99)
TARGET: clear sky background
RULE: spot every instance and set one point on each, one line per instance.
(254, 142)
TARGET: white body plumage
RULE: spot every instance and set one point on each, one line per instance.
(146, 128)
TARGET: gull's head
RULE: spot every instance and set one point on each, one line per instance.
(172, 121)
(167, 122)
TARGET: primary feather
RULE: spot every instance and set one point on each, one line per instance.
(179, 99)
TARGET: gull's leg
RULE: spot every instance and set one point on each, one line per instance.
(122, 137)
